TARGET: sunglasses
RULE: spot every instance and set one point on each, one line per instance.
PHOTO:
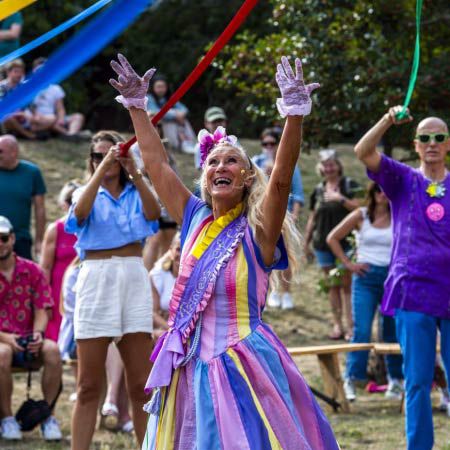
(269, 144)
(5, 238)
(438, 137)
(97, 156)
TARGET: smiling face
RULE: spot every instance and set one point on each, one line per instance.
(330, 169)
(227, 174)
(432, 152)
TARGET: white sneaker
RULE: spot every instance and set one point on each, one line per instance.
(274, 300)
(287, 302)
(394, 390)
(349, 390)
(50, 430)
(11, 429)
(444, 400)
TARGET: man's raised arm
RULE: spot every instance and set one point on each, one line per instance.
(366, 148)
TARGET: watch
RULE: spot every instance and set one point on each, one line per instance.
(137, 176)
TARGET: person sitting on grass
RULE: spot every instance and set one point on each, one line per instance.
(49, 105)
(25, 297)
(25, 123)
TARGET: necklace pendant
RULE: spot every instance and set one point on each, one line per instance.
(436, 189)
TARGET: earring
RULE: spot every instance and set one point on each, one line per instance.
(242, 171)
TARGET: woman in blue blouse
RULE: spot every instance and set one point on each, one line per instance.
(111, 216)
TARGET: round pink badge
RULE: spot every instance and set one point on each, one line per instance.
(435, 212)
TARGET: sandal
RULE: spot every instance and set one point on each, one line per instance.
(110, 416)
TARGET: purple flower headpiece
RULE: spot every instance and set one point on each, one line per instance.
(208, 141)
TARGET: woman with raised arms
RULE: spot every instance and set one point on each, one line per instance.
(221, 377)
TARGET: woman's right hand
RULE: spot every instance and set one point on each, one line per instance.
(357, 268)
(110, 158)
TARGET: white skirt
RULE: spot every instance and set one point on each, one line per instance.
(113, 298)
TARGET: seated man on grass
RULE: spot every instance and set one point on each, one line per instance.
(25, 299)
(49, 104)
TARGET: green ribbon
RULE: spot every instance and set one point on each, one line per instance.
(416, 61)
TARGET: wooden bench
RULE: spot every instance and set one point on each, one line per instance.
(383, 348)
(329, 366)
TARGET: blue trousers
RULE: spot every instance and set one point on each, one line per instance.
(417, 336)
(367, 292)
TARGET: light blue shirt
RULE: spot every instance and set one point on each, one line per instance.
(297, 194)
(112, 222)
(154, 107)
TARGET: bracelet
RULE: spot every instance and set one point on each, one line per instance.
(137, 176)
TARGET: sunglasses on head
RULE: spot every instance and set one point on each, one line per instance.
(97, 156)
(438, 137)
(269, 143)
(4, 238)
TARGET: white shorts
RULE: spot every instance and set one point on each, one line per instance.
(113, 298)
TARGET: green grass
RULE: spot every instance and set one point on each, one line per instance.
(374, 423)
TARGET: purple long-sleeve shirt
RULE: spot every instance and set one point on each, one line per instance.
(419, 274)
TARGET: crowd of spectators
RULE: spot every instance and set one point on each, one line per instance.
(91, 297)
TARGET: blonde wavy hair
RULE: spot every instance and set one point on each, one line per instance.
(253, 199)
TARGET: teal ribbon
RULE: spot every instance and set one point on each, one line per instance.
(54, 32)
(416, 62)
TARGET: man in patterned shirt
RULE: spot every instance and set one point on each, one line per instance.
(25, 299)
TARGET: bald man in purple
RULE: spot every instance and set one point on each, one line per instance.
(417, 290)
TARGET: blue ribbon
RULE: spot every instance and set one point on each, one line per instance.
(75, 52)
(53, 33)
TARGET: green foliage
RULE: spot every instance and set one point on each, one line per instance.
(360, 51)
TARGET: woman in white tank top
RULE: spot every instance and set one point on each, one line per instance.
(373, 253)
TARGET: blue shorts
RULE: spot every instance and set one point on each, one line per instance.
(325, 258)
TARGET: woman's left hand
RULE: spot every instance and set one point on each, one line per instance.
(127, 162)
(296, 96)
(132, 87)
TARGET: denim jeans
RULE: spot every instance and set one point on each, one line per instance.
(367, 292)
(417, 336)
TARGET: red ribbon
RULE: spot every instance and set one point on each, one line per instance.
(223, 39)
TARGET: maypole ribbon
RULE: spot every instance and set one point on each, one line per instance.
(416, 61)
(223, 39)
(9, 7)
(54, 32)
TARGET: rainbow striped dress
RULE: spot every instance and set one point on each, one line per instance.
(240, 389)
